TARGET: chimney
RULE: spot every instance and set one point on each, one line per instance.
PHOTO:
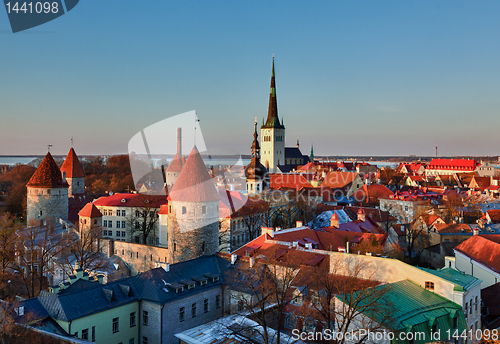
(179, 142)
(267, 230)
(252, 261)
(475, 231)
(295, 244)
(369, 253)
(361, 215)
(234, 257)
(335, 221)
(298, 224)
(111, 247)
(309, 246)
(347, 247)
(278, 229)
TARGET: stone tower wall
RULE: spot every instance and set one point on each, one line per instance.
(193, 234)
(76, 186)
(272, 152)
(51, 202)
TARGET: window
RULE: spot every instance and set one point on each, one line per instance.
(290, 321)
(105, 232)
(110, 224)
(105, 223)
(181, 313)
(429, 285)
(240, 306)
(105, 212)
(205, 305)
(117, 224)
(136, 224)
(204, 209)
(475, 304)
(95, 222)
(117, 233)
(145, 320)
(123, 224)
(132, 319)
(183, 210)
(137, 213)
(93, 333)
(85, 334)
(131, 341)
(193, 310)
(144, 340)
(465, 309)
(123, 234)
(136, 238)
(123, 213)
(470, 307)
(76, 334)
(115, 325)
(217, 301)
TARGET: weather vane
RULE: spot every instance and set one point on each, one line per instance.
(48, 148)
(196, 120)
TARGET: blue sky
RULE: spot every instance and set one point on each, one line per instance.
(352, 77)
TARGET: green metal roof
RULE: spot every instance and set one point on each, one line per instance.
(462, 281)
(417, 309)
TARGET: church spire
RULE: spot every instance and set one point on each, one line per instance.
(272, 114)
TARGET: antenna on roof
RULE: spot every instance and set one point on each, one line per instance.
(71, 141)
(48, 148)
(196, 120)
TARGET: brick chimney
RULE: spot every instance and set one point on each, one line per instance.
(111, 247)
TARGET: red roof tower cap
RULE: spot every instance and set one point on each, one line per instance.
(90, 210)
(72, 166)
(194, 183)
(47, 175)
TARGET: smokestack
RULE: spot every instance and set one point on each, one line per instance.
(179, 143)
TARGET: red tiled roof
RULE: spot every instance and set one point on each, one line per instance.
(90, 210)
(494, 215)
(194, 183)
(175, 165)
(131, 200)
(484, 249)
(163, 209)
(336, 179)
(289, 181)
(47, 175)
(453, 228)
(453, 164)
(72, 166)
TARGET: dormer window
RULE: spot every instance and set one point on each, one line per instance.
(429, 285)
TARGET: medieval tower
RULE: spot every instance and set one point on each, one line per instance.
(47, 193)
(272, 134)
(174, 169)
(255, 173)
(73, 171)
(193, 212)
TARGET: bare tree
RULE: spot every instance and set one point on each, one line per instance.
(37, 245)
(252, 214)
(143, 218)
(85, 250)
(260, 289)
(8, 228)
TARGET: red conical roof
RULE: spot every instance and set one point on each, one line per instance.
(194, 184)
(90, 210)
(72, 166)
(334, 216)
(175, 165)
(47, 175)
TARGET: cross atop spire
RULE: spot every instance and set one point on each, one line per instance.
(272, 114)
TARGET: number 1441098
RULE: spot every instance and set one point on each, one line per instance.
(32, 7)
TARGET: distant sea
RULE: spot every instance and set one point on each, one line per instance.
(13, 160)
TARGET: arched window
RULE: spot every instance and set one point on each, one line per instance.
(203, 246)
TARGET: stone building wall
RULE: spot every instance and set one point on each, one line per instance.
(76, 186)
(51, 203)
(139, 257)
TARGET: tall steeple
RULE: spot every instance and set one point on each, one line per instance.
(255, 172)
(272, 114)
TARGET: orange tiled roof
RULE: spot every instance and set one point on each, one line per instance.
(336, 179)
(90, 210)
(289, 181)
(47, 175)
(72, 166)
(484, 249)
(494, 215)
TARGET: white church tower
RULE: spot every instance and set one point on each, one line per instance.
(272, 134)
